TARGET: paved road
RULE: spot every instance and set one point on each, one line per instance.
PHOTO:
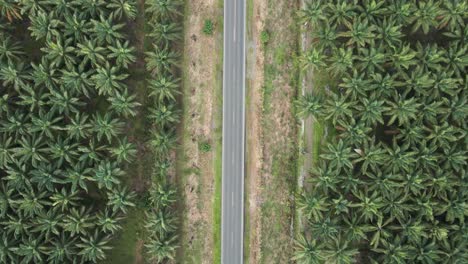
(232, 222)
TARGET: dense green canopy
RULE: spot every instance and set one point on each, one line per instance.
(391, 186)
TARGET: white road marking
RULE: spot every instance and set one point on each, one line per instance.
(232, 199)
(235, 17)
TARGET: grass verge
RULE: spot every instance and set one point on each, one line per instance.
(218, 141)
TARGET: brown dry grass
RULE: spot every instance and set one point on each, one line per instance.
(273, 128)
(255, 64)
(197, 168)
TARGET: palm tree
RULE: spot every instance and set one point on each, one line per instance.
(31, 250)
(393, 251)
(44, 73)
(312, 206)
(371, 60)
(162, 59)
(44, 26)
(453, 13)
(106, 126)
(341, 61)
(120, 199)
(371, 156)
(310, 105)
(91, 52)
(314, 13)
(379, 230)
(166, 32)
(355, 85)
(163, 142)
(401, 11)
(162, 196)
(339, 251)
(10, 51)
(78, 175)
(325, 37)
(60, 52)
(79, 221)
(35, 99)
(15, 75)
(359, 33)
(48, 224)
(308, 252)
(164, 115)
(397, 205)
(122, 53)
(162, 248)
(164, 87)
(63, 101)
(325, 230)
(373, 10)
(63, 151)
(107, 174)
(91, 153)
(354, 229)
(78, 80)
(325, 178)
(123, 8)
(124, 151)
(338, 107)
(314, 59)
(354, 133)
(389, 32)
(78, 126)
(92, 8)
(107, 79)
(123, 103)
(31, 149)
(10, 10)
(403, 57)
(6, 150)
(62, 249)
(92, 247)
(45, 124)
(161, 222)
(368, 206)
(401, 110)
(106, 31)
(426, 16)
(457, 60)
(76, 27)
(108, 221)
(342, 13)
(400, 158)
(371, 111)
(32, 203)
(163, 9)
(7, 248)
(65, 199)
(430, 57)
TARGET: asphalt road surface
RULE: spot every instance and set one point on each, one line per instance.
(232, 222)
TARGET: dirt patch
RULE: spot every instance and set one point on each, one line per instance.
(138, 249)
(196, 167)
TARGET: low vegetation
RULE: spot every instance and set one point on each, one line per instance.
(390, 187)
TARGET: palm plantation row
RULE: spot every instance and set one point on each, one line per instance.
(164, 18)
(391, 185)
(63, 111)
